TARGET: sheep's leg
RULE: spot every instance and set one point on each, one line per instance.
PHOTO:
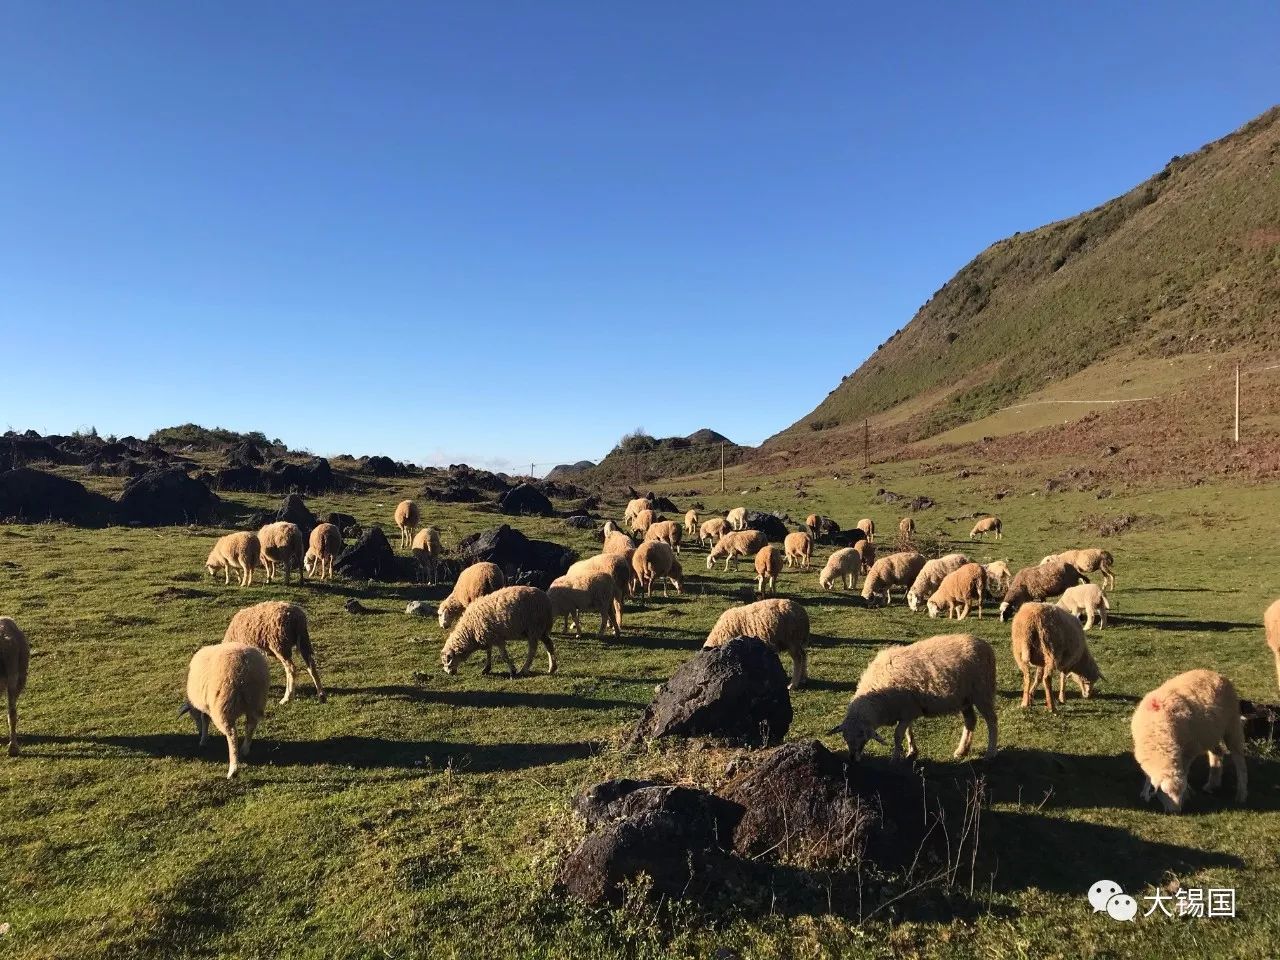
(966, 735)
(1088, 618)
(488, 660)
(288, 677)
(988, 711)
(1046, 675)
(1027, 685)
(979, 603)
(799, 669)
(551, 653)
(898, 733)
(250, 724)
(1102, 619)
(1148, 789)
(226, 576)
(1242, 775)
(233, 751)
(12, 691)
(1215, 772)
(202, 726)
(1062, 686)
(314, 672)
(911, 743)
(511, 664)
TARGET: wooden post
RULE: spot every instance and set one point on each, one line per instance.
(722, 466)
(1237, 403)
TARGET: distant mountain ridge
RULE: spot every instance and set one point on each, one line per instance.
(639, 457)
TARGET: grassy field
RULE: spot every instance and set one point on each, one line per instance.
(417, 814)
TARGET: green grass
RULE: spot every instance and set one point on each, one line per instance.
(417, 814)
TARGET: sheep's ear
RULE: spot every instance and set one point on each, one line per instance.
(875, 735)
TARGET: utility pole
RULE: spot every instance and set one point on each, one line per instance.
(1237, 403)
(722, 466)
(531, 470)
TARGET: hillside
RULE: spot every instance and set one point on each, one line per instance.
(1186, 262)
(639, 458)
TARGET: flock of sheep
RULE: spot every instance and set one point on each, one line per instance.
(1192, 713)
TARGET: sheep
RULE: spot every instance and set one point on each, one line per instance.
(236, 551)
(617, 565)
(867, 553)
(819, 526)
(1040, 583)
(953, 673)
(799, 549)
(1271, 624)
(497, 619)
(958, 590)
(737, 518)
(476, 581)
(1087, 561)
(906, 529)
(868, 526)
(427, 550)
(227, 681)
(569, 595)
(1086, 598)
(323, 549)
(984, 526)
(643, 521)
(782, 624)
(712, 530)
(655, 560)
(739, 543)
(998, 578)
(282, 544)
(609, 527)
(768, 566)
(894, 570)
(1192, 713)
(634, 507)
(618, 542)
(931, 576)
(407, 518)
(691, 523)
(843, 565)
(276, 627)
(668, 531)
(15, 657)
(1049, 638)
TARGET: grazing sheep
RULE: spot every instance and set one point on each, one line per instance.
(236, 551)
(712, 530)
(843, 565)
(1041, 582)
(325, 545)
(867, 553)
(958, 591)
(617, 565)
(570, 595)
(868, 526)
(998, 578)
(894, 570)
(1086, 598)
(1087, 561)
(634, 507)
(799, 549)
(984, 526)
(282, 544)
(276, 627)
(820, 526)
(655, 560)
(668, 531)
(737, 518)
(618, 542)
(906, 528)
(931, 576)
(1271, 623)
(1195, 712)
(476, 581)
(1049, 638)
(407, 518)
(227, 681)
(15, 656)
(642, 521)
(953, 673)
(497, 619)
(768, 565)
(427, 551)
(691, 523)
(782, 624)
(738, 543)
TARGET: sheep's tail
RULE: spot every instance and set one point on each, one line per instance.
(1105, 604)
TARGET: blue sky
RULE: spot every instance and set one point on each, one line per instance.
(509, 232)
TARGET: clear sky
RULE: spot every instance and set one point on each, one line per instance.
(506, 232)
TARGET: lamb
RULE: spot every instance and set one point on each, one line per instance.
(497, 619)
(276, 627)
(617, 565)
(476, 581)
(236, 551)
(1271, 624)
(1086, 598)
(1039, 583)
(655, 560)
(868, 526)
(323, 549)
(1192, 713)
(569, 595)
(1087, 561)
(843, 565)
(1049, 638)
(739, 543)
(712, 530)
(15, 657)
(906, 529)
(998, 578)
(668, 531)
(782, 624)
(768, 566)
(618, 542)
(427, 550)
(953, 673)
(691, 523)
(643, 521)
(931, 576)
(799, 549)
(634, 507)
(958, 590)
(227, 681)
(407, 519)
(282, 543)
(894, 570)
(984, 526)
(737, 518)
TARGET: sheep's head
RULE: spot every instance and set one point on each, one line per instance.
(712, 557)
(1172, 792)
(211, 566)
(449, 661)
(676, 576)
(934, 609)
(857, 732)
(913, 601)
(1004, 605)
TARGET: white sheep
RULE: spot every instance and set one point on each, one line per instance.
(782, 624)
(1193, 713)
(691, 523)
(428, 551)
(799, 549)
(643, 520)
(737, 518)
(282, 545)
(1087, 561)
(1086, 598)
(1049, 638)
(998, 578)
(958, 591)
(894, 570)
(618, 542)
(227, 681)
(15, 657)
(984, 526)
(906, 528)
(738, 543)
(476, 581)
(570, 595)
(635, 506)
(325, 544)
(868, 527)
(236, 551)
(499, 619)
(617, 565)
(1271, 624)
(712, 530)
(842, 566)
(655, 560)
(953, 673)
(668, 531)
(276, 627)
(931, 576)
(769, 560)
(407, 519)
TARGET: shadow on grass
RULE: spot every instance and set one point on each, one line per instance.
(1157, 621)
(488, 698)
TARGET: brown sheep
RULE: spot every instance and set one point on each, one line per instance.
(324, 547)
(236, 551)
(782, 624)
(894, 570)
(1271, 623)
(427, 550)
(655, 560)
(643, 521)
(906, 529)
(407, 519)
(617, 565)
(1049, 638)
(15, 656)
(282, 544)
(276, 627)
(768, 565)
(868, 526)
(1087, 561)
(1039, 583)
(618, 542)
(739, 543)
(959, 590)
(476, 581)
(799, 549)
(668, 531)
(984, 526)
(712, 530)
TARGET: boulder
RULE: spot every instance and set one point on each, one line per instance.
(371, 558)
(296, 511)
(515, 553)
(246, 453)
(663, 505)
(344, 522)
(769, 524)
(847, 538)
(454, 493)
(714, 818)
(417, 608)
(245, 479)
(460, 473)
(167, 496)
(314, 476)
(526, 499)
(381, 466)
(581, 521)
(735, 692)
(33, 496)
(18, 451)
